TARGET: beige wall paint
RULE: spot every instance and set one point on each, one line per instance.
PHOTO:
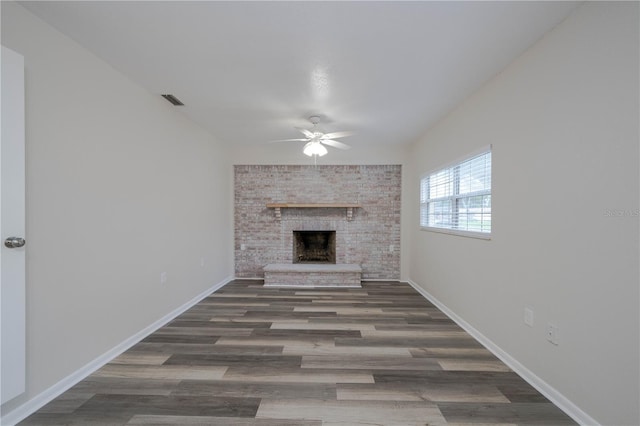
(120, 187)
(563, 121)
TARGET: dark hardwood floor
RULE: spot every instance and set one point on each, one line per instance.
(250, 355)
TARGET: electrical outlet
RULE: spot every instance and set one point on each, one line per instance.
(163, 277)
(202, 262)
(552, 333)
(243, 247)
(528, 316)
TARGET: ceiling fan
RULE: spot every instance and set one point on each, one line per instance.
(316, 139)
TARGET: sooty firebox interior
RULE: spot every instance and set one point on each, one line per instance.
(314, 246)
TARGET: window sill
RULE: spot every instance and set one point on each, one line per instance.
(459, 233)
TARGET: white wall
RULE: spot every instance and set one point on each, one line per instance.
(563, 121)
(120, 187)
(291, 153)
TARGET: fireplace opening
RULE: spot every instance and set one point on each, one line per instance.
(314, 246)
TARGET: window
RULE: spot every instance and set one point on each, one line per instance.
(457, 199)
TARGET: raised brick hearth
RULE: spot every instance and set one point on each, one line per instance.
(312, 275)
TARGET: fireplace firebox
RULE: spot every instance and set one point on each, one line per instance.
(314, 246)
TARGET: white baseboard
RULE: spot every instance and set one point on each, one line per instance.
(540, 385)
(398, 280)
(31, 406)
(382, 280)
(302, 287)
(35, 403)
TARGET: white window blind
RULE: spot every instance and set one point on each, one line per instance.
(458, 197)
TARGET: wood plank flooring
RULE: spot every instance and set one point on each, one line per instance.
(251, 355)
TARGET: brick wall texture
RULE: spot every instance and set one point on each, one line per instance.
(371, 239)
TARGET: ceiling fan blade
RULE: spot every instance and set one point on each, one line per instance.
(335, 135)
(289, 140)
(305, 132)
(335, 144)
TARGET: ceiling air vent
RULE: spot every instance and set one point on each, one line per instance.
(175, 101)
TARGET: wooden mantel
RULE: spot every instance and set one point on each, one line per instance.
(278, 206)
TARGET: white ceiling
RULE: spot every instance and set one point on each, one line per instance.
(251, 71)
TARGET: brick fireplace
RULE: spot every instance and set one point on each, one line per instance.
(358, 205)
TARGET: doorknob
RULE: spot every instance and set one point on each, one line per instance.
(14, 242)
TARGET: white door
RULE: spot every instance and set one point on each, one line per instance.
(12, 227)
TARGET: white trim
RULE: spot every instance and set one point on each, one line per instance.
(540, 385)
(454, 196)
(458, 232)
(362, 280)
(23, 411)
(32, 405)
(398, 280)
(381, 280)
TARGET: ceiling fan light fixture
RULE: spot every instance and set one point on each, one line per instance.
(316, 139)
(314, 148)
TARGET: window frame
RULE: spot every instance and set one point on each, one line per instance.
(453, 167)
